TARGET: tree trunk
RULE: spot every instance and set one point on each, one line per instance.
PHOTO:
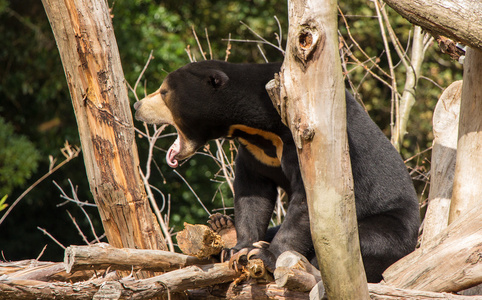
(458, 19)
(444, 151)
(312, 96)
(467, 188)
(85, 38)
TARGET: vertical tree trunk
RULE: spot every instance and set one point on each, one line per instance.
(467, 188)
(313, 93)
(444, 151)
(88, 49)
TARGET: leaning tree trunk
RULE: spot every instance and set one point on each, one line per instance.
(457, 19)
(467, 190)
(312, 103)
(88, 49)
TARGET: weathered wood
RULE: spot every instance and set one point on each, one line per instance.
(467, 188)
(458, 19)
(41, 271)
(294, 272)
(444, 150)
(84, 34)
(312, 94)
(103, 256)
(199, 241)
(385, 292)
(130, 288)
(450, 264)
(247, 291)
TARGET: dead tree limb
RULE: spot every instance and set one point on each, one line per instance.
(84, 34)
(41, 271)
(103, 257)
(458, 19)
(385, 292)
(450, 264)
(312, 103)
(294, 272)
(444, 151)
(130, 288)
(467, 188)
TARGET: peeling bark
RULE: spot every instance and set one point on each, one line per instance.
(85, 38)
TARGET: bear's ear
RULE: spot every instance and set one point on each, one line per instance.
(218, 78)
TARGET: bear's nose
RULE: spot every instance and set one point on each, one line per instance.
(137, 105)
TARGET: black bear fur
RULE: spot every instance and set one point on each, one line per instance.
(212, 99)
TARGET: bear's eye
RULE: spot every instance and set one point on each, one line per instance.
(163, 93)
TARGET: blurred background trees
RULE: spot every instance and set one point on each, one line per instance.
(36, 115)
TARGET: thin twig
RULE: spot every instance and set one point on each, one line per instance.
(90, 224)
(189, 186)
(69, 152)
(41, 253)
(50, 236)
(227, 176)
(198, 43)
(157, 212)
(78, 228)
(394, 110)
(228, 48)
(209, 44)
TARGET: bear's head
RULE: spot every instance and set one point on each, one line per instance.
(203, 100)
(192, 100)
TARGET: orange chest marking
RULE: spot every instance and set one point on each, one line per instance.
(265, 146)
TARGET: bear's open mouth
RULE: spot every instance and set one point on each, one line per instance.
(181, 149)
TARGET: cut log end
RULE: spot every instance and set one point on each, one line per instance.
(199, 241)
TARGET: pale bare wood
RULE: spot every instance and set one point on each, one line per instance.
(104, 256)
(42, 271)
(130, 288)
(84, 34)
(294, 280)
(444, 150)
(312, 95)
(467, 188)
(199, 241)
(247, 291)
(450, 264)
(458, 19)
(385, 292)
(294, 272)
(413, 68)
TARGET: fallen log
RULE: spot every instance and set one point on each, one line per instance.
(103, 256)
(42, 271)
(191, 277)
(205, 282)
(451, 264)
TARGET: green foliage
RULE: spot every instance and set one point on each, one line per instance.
(3, 203)
(18, 159)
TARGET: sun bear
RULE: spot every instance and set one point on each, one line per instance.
(212, 99)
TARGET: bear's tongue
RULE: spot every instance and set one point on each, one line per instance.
(172, 152)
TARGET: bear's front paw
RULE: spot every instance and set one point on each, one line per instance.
(241, 258)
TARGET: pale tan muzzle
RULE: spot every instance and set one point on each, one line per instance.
(153, 110)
